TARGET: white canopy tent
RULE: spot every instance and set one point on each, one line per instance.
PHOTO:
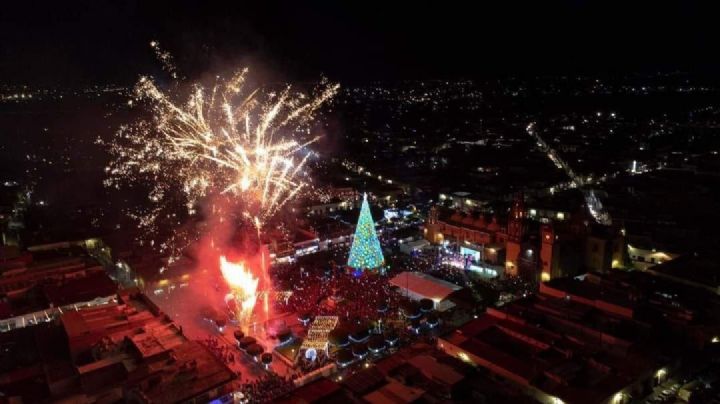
(417, 286)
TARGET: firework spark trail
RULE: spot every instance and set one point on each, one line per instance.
(224, 140)
(165, 58)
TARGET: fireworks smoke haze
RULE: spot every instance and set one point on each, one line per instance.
(249, 145)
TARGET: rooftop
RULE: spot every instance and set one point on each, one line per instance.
(394, 392)
(424, 285)
(192, 371)
(84, 289)
(699, 269)
(320, 391)
(126, 350)
(565, 348)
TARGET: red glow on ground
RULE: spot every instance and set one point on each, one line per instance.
(226, 273)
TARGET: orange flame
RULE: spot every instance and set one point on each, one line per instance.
(243, 284)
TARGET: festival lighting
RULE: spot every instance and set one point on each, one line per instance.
(365, 252)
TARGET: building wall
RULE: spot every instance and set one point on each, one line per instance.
(494, 255)
(645, 258)
(512, 254)
(547, 258)
(330, 207)
(568, 258)
(602, 254)
(548, 215)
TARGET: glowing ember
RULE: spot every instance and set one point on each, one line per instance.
(243, 284)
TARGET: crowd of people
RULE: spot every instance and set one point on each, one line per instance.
(266, 388)
(324, 286)
(220, 350)
(335, 291)
(438, 265)
(305, 364)
(449, 266)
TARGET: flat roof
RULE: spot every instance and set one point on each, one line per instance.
(169, 368)
(700, 269)
(87, 288)
(194, 372)
(534, 340)
(593, 291)
(365, 381)
(435, 370)
(424, 285)
(74, 324)
(317, 391)
(394, 392)
(418, 243)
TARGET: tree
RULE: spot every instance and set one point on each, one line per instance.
(365, 252)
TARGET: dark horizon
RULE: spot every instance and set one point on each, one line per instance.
(99, 42)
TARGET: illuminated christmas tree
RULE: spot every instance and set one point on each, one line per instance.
(365, 252)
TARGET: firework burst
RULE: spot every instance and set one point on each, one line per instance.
(247, 145)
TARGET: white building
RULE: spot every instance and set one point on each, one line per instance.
(411, 246)
(644, 258)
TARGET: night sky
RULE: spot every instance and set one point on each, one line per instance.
(53, 42)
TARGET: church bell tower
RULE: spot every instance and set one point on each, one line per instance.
(515, 231)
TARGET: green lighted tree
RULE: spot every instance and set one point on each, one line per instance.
(365, 252)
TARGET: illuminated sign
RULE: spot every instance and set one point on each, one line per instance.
(473, 253)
